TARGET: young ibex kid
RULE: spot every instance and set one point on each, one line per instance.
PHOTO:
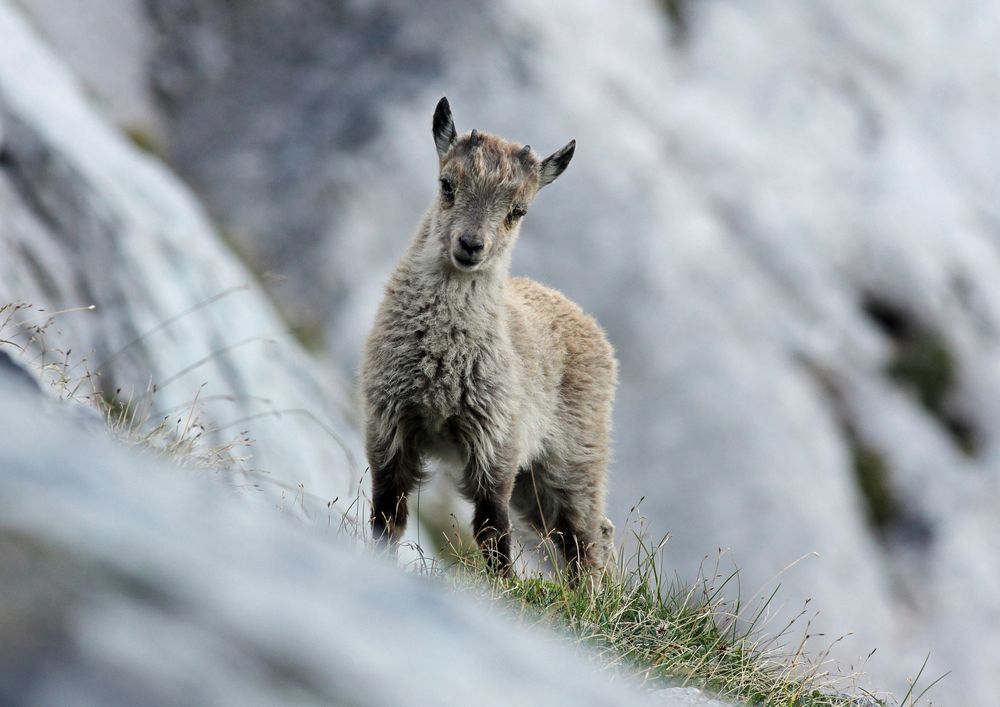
(505, 377)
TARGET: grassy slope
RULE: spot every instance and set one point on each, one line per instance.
(665, 633)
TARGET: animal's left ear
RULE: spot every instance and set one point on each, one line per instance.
(556, 163)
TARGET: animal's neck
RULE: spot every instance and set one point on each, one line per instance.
(448, 299)
(469, 302)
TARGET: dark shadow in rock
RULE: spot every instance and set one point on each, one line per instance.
(923, 364)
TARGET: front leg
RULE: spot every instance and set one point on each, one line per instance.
(491, 524)
(491, 492)
(396, 470)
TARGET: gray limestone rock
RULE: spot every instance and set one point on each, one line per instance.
(179, 325)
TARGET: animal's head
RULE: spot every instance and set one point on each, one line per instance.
(485, 187)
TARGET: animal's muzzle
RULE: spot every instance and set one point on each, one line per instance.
(469, 250)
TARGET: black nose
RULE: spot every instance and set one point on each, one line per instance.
(470, 244)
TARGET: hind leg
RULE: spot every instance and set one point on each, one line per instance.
(534, 501)
(587, 534)
(567, 505)
(587, 544)
(537, 506)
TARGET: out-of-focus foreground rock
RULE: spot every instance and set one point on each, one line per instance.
(784, 215)
(125, 582)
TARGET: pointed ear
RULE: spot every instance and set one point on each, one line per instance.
(556, 163)
(444, 128)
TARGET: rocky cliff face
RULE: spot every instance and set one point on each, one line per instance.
(178, 324)
(784, 217)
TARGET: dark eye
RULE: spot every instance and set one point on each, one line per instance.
(516, 213)
(447, 188)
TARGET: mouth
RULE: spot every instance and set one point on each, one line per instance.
(465, 262)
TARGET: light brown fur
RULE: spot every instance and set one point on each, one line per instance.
(502, 376)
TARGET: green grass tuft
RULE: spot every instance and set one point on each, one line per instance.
(664, 633)
(872, 473)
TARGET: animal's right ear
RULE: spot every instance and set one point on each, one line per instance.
(444, 128)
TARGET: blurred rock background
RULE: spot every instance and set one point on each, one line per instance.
(784, 214)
